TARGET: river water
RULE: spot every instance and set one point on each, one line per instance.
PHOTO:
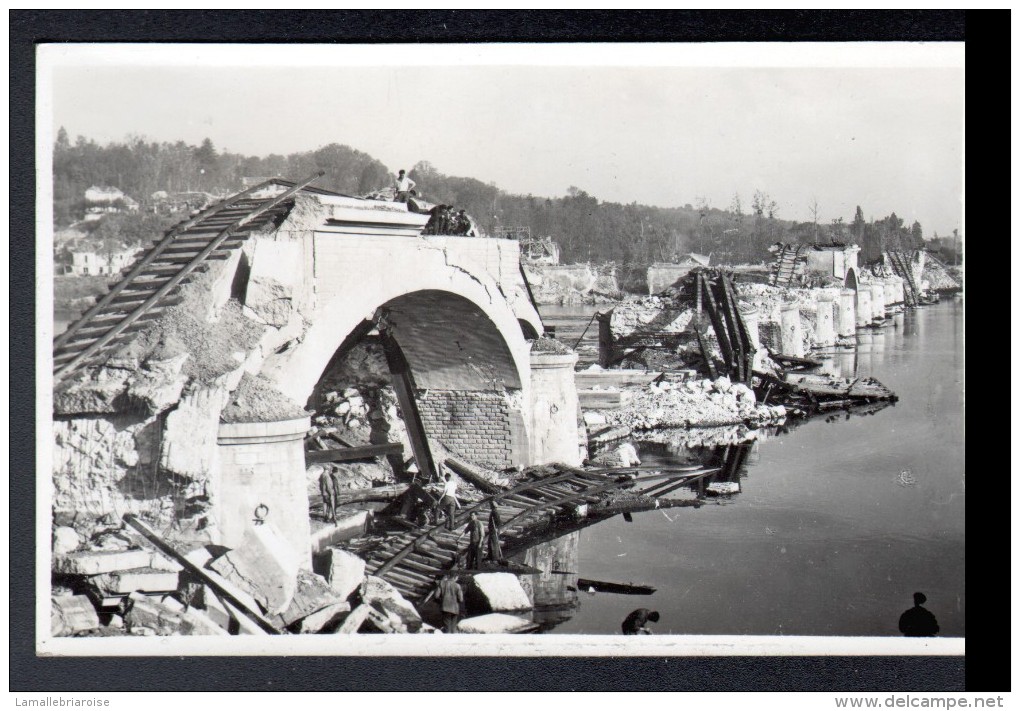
(839, 520)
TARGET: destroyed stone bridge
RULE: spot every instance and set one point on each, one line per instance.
(183, 396)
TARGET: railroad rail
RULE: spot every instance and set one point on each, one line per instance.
(414, 560)
(785, 266)
(152, 284)
(911, 293)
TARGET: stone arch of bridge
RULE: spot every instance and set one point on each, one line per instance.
(850, 282)
(463, 342)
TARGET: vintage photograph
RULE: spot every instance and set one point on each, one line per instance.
(602, 349)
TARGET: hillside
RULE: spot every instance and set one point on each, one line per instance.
(586, 228)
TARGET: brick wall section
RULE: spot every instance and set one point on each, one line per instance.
(473, 423)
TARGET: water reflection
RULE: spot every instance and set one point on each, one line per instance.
(854, 509)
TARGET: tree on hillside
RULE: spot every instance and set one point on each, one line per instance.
(916, 234)
(735, 207)
(813, 209)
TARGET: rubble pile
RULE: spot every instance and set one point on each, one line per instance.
(114, 584)
(695, 403)
(651, 313)
(571, 284)
(938, 276)
(704, 437)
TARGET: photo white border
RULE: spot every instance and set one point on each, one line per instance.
(715, 55)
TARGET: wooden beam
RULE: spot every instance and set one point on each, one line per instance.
(717, 325)
(347, 454)
(172, 553)
(403, 386)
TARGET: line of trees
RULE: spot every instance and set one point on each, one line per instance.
(140, 168)
(586, 228)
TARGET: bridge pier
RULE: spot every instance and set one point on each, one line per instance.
(263, 463)
(554, 409)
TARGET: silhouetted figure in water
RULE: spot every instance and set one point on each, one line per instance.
(636, 621)
(917, 621)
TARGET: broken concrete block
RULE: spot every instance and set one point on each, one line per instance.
(139, 579)
(386, 622)
(346, 528)
(263, 565)
(194, 622)
(496, 592)
(324, 620)
(70, 615)
(494, 623)
(273, 282)
(353, 622)
(144, 612)
(97, 562)
(65, 540)
(214, 609)
(311, 594)
(384, 597)
(245, 625)
(345, 572)
(161, 562)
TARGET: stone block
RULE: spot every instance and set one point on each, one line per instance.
(494, 623)
(151, 614)
(384, 597)
(344, 529)
(344, 571)
(189, 436)
(353, 622)
(140, 579)
(65, 540)
(72, 614)
(312, 593)
(264, 566)
(324, 620)
(496, 592)
(214, 609)
(98, 562)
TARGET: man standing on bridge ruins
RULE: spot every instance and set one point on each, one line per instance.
(450, 596)
(403, 186)
(475, 549)
(449, 503)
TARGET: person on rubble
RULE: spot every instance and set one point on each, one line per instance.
(636, 621)
(475, 548)
(435, 220)
(495, 521)
(414, 203)
(462, 224)
(446, 220)
(449, 503)
(450, 596)
(402, 186)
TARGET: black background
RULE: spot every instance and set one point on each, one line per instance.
(986, 665)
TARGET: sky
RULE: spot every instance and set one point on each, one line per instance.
(886, 138)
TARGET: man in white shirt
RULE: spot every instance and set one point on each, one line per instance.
(449, 503)
(403, 186)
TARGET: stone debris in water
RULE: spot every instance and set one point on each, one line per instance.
(695, 403)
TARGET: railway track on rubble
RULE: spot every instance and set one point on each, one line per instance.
(152, 284)
(413, 561)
